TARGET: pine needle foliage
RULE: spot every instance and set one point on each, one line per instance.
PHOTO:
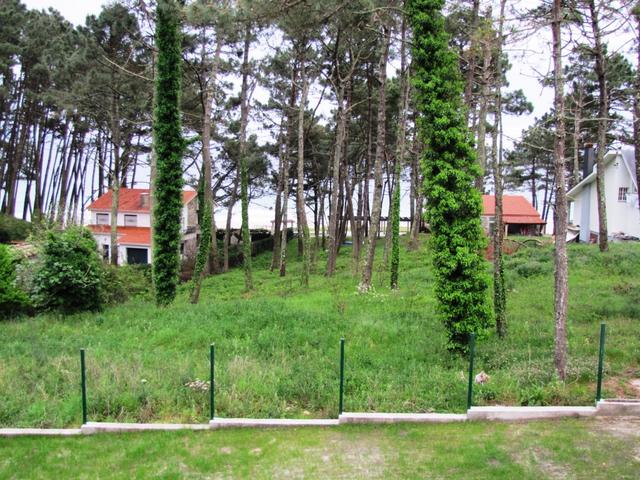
(450, 168)
(169, 146)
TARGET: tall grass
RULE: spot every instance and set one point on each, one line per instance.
(277, 347)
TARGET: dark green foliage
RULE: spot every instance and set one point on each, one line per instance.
(453, 205)
(71, 276)
(126, 282)
(12, 299)
(395, 234)
(169, 146)
(13, 229)
(204, 247)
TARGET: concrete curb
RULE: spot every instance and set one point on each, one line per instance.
(499, 413)
(52, 432)
(619, 407)
(354, 417)
(610, 407)
(268, 422)
(90, 428)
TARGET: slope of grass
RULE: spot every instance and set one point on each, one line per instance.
(278, 346)
(566, 449)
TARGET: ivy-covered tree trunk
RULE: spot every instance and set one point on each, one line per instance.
(450, 169)
(169, 147)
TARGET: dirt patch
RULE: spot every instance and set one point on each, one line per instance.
(541, 459)
(635, 385)
(625, 428)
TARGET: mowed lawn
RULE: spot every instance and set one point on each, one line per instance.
(570, 449)
(277, 348)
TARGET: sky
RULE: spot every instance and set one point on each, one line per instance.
(530, 58)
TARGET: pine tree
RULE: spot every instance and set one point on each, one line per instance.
(453, 204)
(169, 147)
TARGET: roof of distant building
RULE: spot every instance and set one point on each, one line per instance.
(132, 200)
(515, 209)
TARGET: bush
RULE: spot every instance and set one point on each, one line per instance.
(125, 282)
(12, 299)
(71, 277)
(13, 229)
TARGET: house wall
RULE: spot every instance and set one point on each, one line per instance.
(122, 249)
(622, 217)
(144, 219)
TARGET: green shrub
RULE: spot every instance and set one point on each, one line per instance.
(71, 276)
(13, 229)
(12, 299)
(125, 282)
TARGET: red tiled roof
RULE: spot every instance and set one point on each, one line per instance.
(515, 209)
(130, 200)
(126, 235)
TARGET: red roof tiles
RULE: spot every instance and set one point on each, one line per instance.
(131, 200)
(515, 209)
(126, 235)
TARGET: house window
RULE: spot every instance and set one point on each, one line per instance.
(130, 220)
(102, 218)
(622, 194)
(105, 251)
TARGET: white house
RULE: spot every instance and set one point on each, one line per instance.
(621, 194)
(134, 224)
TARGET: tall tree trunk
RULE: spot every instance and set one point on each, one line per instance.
(561, 260)
(303, 226)
(244, 173)
(367, 271)
(485, 75)
(332, 237)
(603, 122)
(400, 154)
(115, 179)
(499, 289)
(636, 102)
(277, 221)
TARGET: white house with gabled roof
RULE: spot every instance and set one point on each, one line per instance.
(621, 194)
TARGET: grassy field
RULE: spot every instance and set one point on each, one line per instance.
(277, 347)
(568, 449)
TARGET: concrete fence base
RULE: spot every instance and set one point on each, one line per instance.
(527, 413)
(401, 417)
(611, 407)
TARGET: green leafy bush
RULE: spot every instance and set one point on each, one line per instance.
(13, 229)
(125, 282)
(12, 299)
(71, 276)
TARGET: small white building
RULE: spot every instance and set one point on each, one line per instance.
(134, 224)
(621, 194)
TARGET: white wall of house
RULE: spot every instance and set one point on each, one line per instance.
(622, 216)
(102, 240)
(142, 219)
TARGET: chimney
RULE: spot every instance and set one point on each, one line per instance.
(144, 200)
(588, 160)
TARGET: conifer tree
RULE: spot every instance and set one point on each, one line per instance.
(450, 168)
(169, 147)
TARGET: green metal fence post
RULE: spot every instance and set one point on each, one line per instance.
(83, 383)
(341, 375)
(603, 328)
(212, 382)
(472, 352)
